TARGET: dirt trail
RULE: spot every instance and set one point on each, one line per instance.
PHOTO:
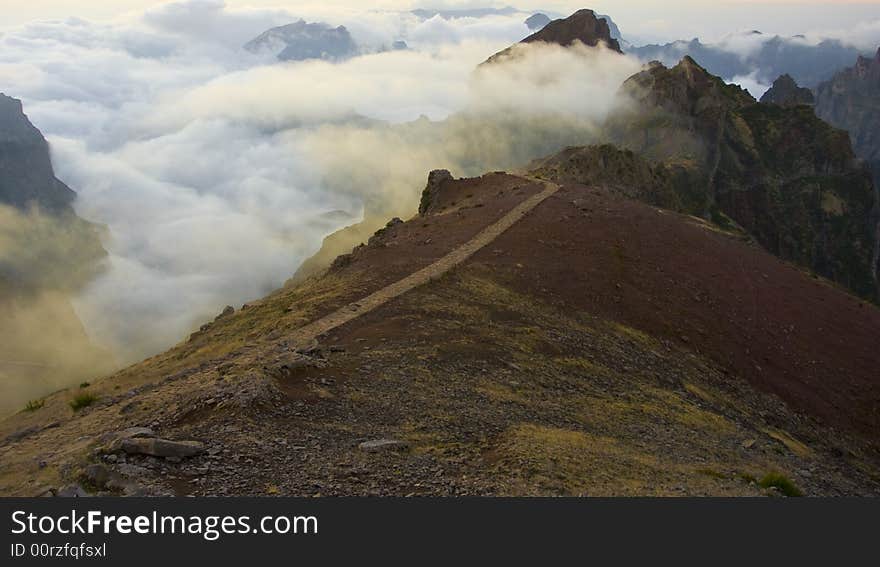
(310, 332)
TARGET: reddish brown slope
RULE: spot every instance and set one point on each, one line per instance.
(808, 342)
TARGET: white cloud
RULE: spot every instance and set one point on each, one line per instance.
(214, 169)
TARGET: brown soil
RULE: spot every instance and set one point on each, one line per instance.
(787, 333)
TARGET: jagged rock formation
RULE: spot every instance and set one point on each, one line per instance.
(786, 92)
(436, 180)
(26, 176)
(808, 64)
(300, 41)
(851, 101)
(583, 26)
(784, 175)
(538, 21)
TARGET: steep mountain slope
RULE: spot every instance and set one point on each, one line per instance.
(26, 176)
(559, 340)
(851, 101)
(582, 26)
(784, 175)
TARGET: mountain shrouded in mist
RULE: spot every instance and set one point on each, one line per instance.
(760, 56)
(47, 255)
(301, 41)
(583, 26)
(26, 176)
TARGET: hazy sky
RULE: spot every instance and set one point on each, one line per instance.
(645, 20)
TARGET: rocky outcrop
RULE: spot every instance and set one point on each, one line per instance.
(44, 244)
(300, 41)
(786, 92)
(581, 27)
(436, 180)
(26, 175)
(623, 172)
(788, 178)
(851, 101)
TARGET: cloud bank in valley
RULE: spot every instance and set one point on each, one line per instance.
(217, 171)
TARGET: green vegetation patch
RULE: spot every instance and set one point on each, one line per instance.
(782, 483)
(34, 405)
(83, 401)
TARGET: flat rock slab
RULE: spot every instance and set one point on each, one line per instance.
(379, 445)
(162, 447)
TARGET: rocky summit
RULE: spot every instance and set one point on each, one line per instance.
(583, 26)
(786, 92)
(785, 176)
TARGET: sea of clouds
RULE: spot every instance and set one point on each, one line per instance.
(217, 171)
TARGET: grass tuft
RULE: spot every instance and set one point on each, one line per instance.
(83, 401)
(781, 482)
(34, 405)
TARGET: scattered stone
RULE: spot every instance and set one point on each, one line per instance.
(380, 445)
(22, 433)
(227, 311)
(162, 447)
(748, 443)
(136, 433)
(97, 475)
(114, 440)
(132, 471)
(72, 491)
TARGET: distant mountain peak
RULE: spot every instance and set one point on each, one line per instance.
(584, 26)
(302, 40)
(786, 92)
(537, 22)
